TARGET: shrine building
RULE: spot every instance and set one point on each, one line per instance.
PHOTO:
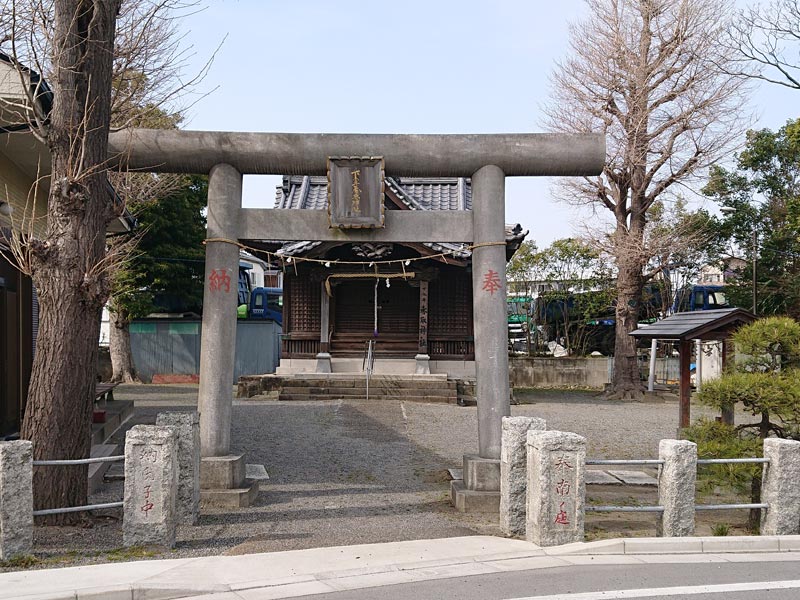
(412, 299)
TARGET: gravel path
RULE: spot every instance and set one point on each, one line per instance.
(351, 472)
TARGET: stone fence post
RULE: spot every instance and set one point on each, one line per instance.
(676, 487)
(556, 487)
(780, 487)
(513, 472)
(187, 426)
(151, 485)
(16, 499)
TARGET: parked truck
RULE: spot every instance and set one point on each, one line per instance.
(259, 302)
(700, 297)
(267, 303)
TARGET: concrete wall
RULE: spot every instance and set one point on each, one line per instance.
(596, 372)
(559, 372)
(171, 346)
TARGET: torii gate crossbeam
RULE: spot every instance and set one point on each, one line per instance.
(486, 158)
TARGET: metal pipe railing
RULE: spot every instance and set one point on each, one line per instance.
(632, 461)
(702, 461)
(728, 506)
(624, 509)
(72, 462)
(70, 509)
(76, 461)
(730, 461)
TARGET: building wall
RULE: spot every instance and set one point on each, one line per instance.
(15, 188)
(17, 339)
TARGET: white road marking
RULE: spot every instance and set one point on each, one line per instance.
(680, 591)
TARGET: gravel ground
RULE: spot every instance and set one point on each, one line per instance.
(350, 472)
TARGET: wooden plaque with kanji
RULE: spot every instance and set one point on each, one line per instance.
(355, 191)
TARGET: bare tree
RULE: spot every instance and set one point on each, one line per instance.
(648, 74)
(768, 35)
(67, 264)
(139, 191)
(72, 44)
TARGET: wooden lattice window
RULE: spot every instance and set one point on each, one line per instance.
(304, 303)
(451, 306)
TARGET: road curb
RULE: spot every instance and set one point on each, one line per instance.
(687, 545)
(326, 570)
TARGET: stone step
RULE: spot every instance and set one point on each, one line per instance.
(406, 398)
(230, 498)
(116, 472)
(374, 382)
(97, 471)
(361, 391)
(117, 412)
(373, 386)
(473, 501)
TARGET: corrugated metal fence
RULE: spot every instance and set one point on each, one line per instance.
(168, 346)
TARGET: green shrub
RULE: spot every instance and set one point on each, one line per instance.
(767, 382)
(718, 440)
(721, 529)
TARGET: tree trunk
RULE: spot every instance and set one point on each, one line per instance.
(626, 382)
(119, 346)
(68, 264)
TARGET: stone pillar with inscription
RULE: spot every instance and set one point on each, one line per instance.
(187, 427)
(151, 486)
(480, 489)
(676, 487)
(324, 357)
(556, 487)
(514, 473)
(781, 487)
(16, 499)
(423, 359)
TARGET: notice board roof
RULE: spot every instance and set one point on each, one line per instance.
(696, 325)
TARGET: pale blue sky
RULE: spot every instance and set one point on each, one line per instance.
(441, 66)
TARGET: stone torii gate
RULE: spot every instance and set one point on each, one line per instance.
(487, 158)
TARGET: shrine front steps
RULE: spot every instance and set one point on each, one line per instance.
(381, 387)
(336, 386)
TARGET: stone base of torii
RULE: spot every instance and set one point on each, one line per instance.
(486, 158)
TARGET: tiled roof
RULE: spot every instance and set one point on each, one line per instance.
(430, 193)
(442, 193)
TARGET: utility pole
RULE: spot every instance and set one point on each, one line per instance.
(755, 262)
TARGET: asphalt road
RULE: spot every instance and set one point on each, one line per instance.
(695, 580)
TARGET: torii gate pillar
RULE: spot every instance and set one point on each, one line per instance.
(480, 488)
(222, 474)
(489, 307)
